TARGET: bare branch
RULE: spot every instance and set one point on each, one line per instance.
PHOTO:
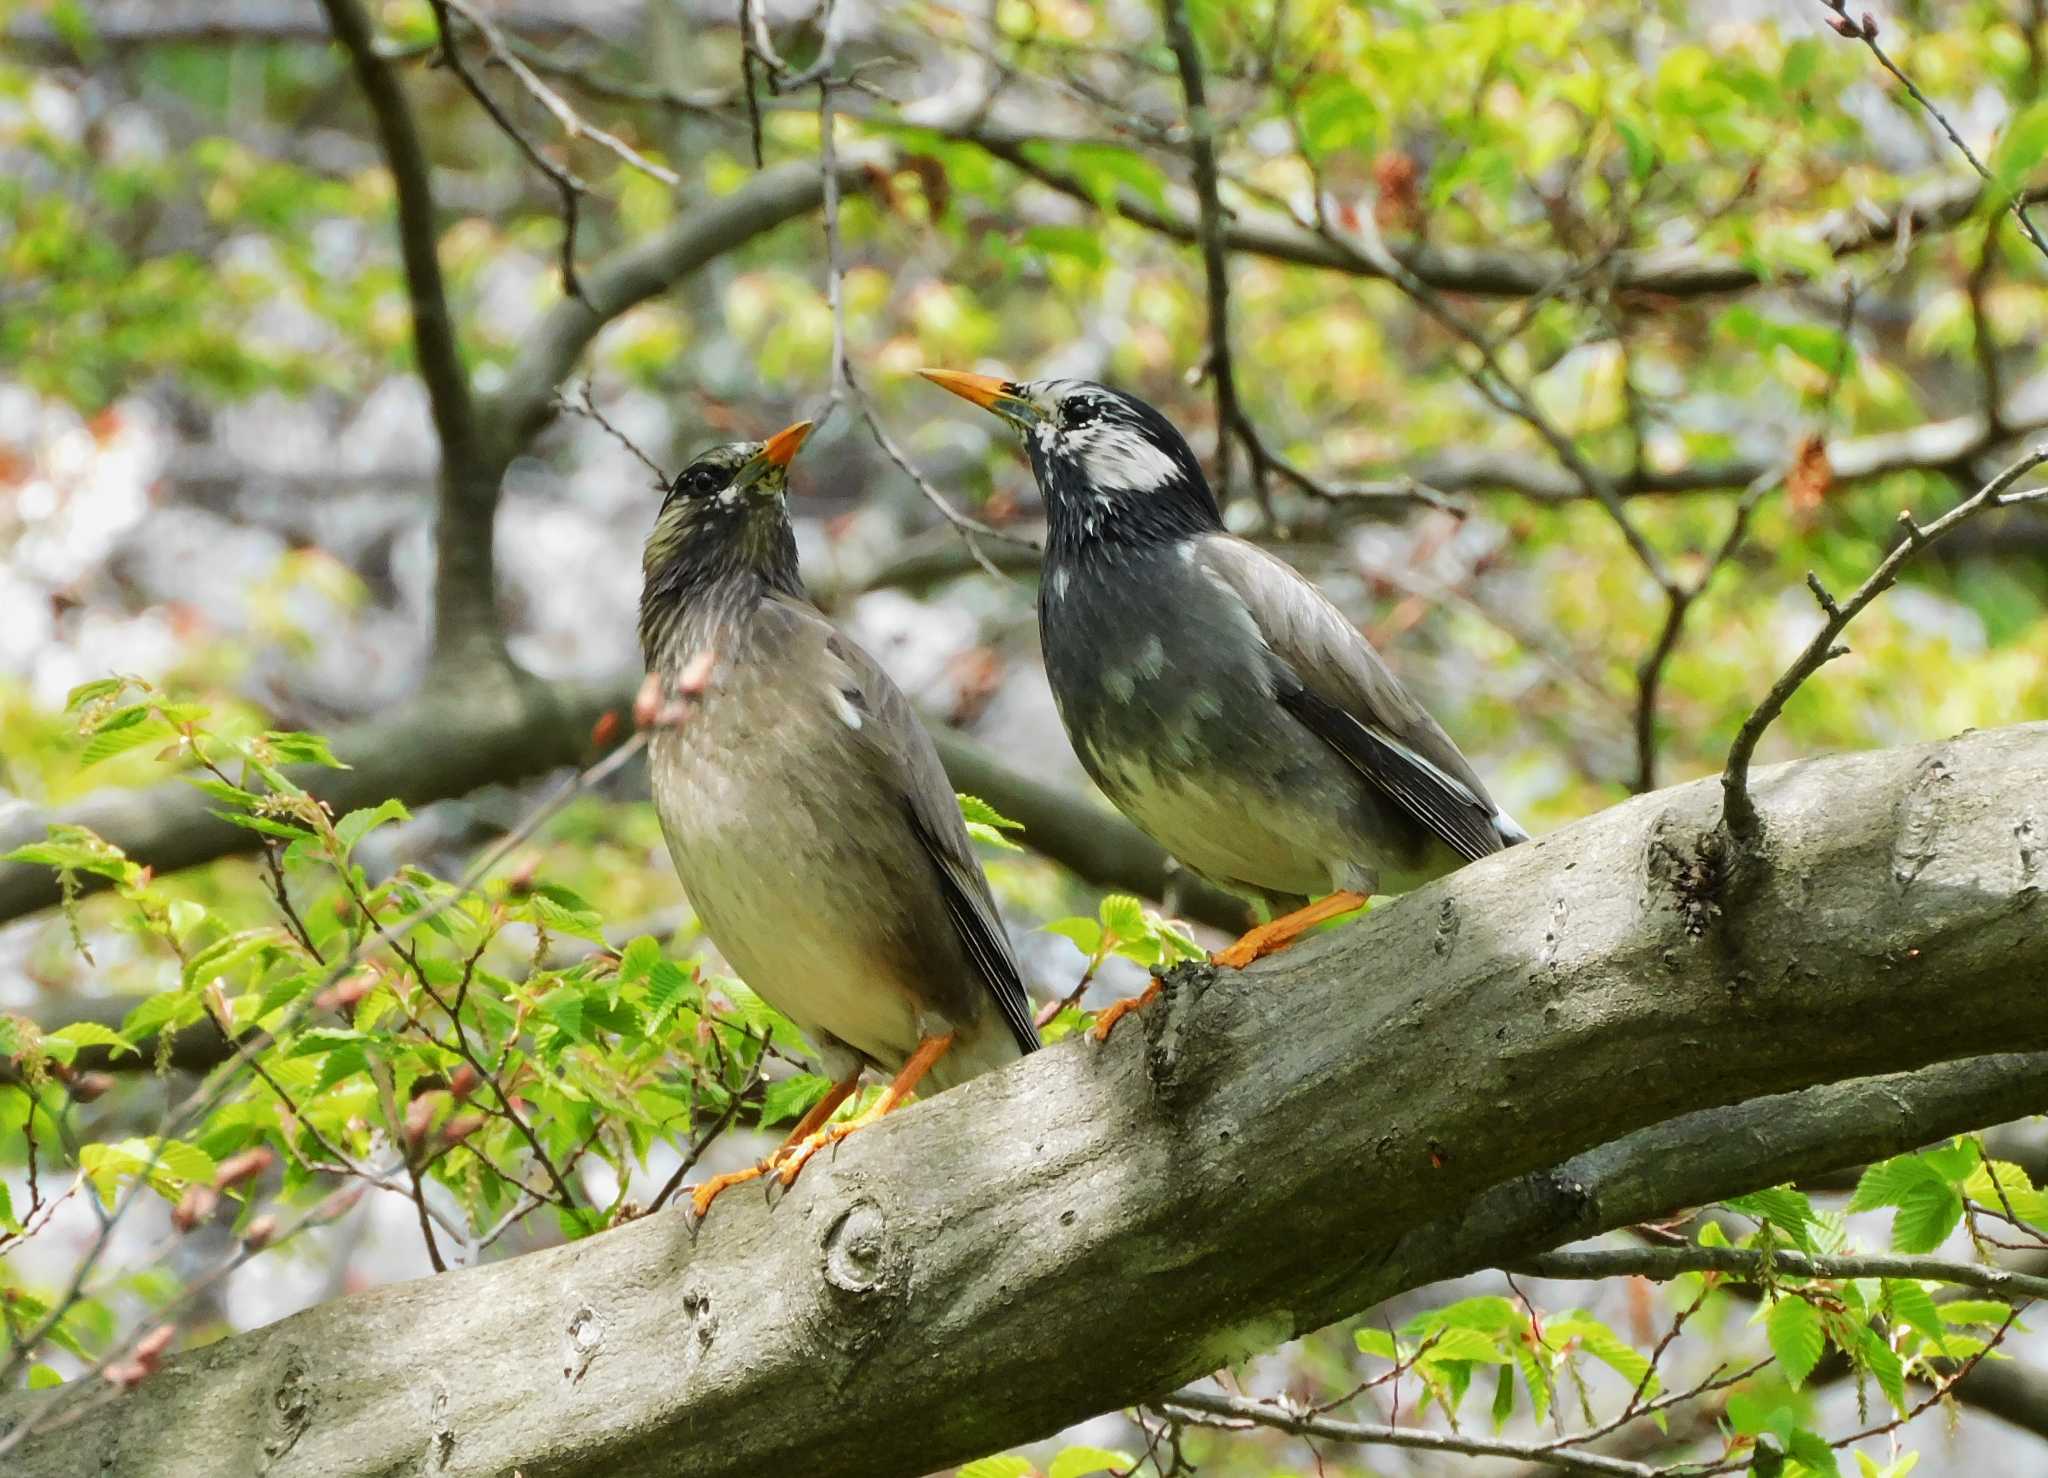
(1661, 1264)
(1740, 816)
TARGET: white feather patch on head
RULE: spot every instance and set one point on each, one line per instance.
(1120, 456)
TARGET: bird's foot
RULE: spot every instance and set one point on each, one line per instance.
(1115, 1011)
(702, 1197)
(1270, 939)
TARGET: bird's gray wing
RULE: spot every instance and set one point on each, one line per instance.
(904, 757)
(1328, 676)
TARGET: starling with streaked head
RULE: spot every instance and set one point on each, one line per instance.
(806, 809)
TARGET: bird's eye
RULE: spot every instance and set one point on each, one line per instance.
(1082, 413)
(698, 482)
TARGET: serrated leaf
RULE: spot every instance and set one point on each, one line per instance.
(1604, 1345)
(1085, 934)
(291, 748)
(1466, 1344)
(1797, 1339)
(1122, 915)
(1916, 1309)
(1811, 1451)
(791, 1097)
(92, 1034)
(1084, 1462)
(1788, 1210)
(995, 1467)
(92, 692)
(1888, 1182)
(1929, 1212)
(1884, 1364)
(113, 740)
(977, 812)
(353, 827)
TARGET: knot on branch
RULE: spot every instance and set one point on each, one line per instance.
(1919, 819)
(582, 1338)
(1693, 871)
(290, 1407)
(865, 1273)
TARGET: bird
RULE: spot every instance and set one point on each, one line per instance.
(1215, 694)
(807, 812)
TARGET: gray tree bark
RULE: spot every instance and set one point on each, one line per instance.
(1539, 1047)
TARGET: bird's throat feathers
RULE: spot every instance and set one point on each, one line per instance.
(709, 561)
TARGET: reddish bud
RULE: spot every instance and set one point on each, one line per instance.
(462, 1082)
(1845, 27)
(194, 1207)
(1869, 26)
(245, 1166)
(150, 1348)
(339, 1204)
(344, 994)
(260, 1234)
(461, 1127)
(85, 1087)
(605, 729)
(418, 1115)
(128, 1374)
(647, 702)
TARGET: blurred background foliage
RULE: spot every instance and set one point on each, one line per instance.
(220, 481)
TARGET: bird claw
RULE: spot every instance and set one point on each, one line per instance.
(702, 1197)
(1116, 1011)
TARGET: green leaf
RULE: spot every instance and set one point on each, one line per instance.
(791, 1097)
(995, 1467)
(1884, 1364)
(1974, 1311)
(1925, 1217)
(7, 1219)
(92, 1034)
(112, 739)
(288, 748)
(1123, 916)
(1082, 1462)
(1086, 934)
(1916, 1308)
(1889, 1182)
(1466, 1344)
(92, 692)
(356, 824)
(42, 1377)
(2019, 149)
(1503, 1396)
(1811, 1451)
(1782, 1207)
(1796, 1336)
(1604, 1345)
(1375, 1342)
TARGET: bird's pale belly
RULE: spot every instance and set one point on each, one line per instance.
(786, 902)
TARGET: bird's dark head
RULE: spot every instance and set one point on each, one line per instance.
(1112, 468)
(724, 519)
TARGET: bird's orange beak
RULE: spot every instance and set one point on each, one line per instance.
(983, 390)
(781, 448)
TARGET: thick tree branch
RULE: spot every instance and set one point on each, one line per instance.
(1095, 1225)
(451, 746)
(636, 273)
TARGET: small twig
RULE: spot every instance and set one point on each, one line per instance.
(1664, 1263)
(1230, 418)
(1202, 1407)
(1865, 30)
(586, 406)
(1739, 813)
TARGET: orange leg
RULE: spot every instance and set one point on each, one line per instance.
(929, 1051)
(1269, 939)
(702, 1197)
(1116, 1011)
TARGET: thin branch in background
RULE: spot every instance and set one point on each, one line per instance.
(747, 83)
(567, 183)
(1211, 1409)
(1739, 813)
(1661, 1264)
(1865, 30)
(1230, 417)
(566, 118)
(585, 405)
